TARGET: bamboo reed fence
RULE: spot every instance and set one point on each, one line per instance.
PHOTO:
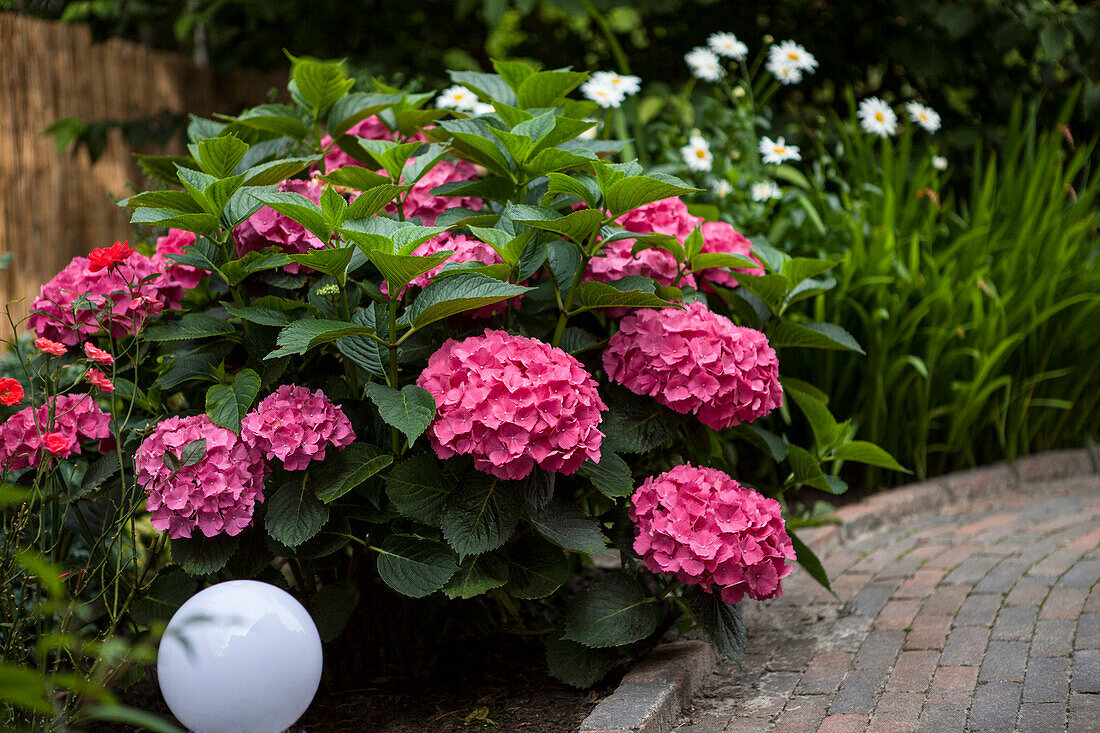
(53, 205)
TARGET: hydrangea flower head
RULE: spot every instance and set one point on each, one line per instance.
(693, 360)
(216, 495)
(512, 402)
(667, 216)
(420, 201)
(268, 228)
(176, 242)
(296, 426)
(72, 304)
(721, 238)
(705, 528)
(76, 417)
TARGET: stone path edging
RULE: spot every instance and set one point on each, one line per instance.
(652, 694)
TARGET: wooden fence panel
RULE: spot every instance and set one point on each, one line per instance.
(56, 206)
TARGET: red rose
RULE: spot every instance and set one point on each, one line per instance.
(46, 346)
(102, 258)
(11, 392)
(57, 444)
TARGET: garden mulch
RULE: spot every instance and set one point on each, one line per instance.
(980, 618)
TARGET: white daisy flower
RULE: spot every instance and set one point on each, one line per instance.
(726, 44)
(924, 116)
(704, 64)
(603, 94)
(626, 84)
(939, 163)
(721, 188)
(876, 117)
(778, 151)
(457, 97)
(696, 154)
(794, 55)
(783, 70)
(765, 191)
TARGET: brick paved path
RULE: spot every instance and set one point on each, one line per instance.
(983, 620)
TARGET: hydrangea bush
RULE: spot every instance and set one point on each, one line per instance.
(464, 354)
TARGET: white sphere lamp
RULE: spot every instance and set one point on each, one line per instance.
(240, 657)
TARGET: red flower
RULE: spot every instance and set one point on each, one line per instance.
(102, 258)
(11, 392)
(46, 346)
(98, 355)
(99, 379)
(57, 444)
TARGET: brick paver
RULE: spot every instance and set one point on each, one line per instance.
(985, 619)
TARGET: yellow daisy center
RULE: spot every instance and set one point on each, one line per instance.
(792, 56)
(779, 150)
(700, 153)
(879, 117)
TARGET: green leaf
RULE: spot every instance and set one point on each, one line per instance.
(98, 472)
(164, 167)
(764, 439)
(862, 451)
(294, 514)
(348, 468)
(191, 326)
(332, 607)
(537, 568)
(480, 515)
(299, 208)
(806, 469)
(555, 159)
(415, 567)
(418, 489)
(320, 83)
(373, 199)
(169, 590)
(812, 335)
(577, 226)
(165, 200)
(560, 183)
(721, 622)
(565, 261)
(410, 410)
(771, 289)
(637, 424)
(611, 475)
(399, 270)
(458, 294)
(476, 575)
(200, 555)
(810, 562)
(593, 294)
(259, 314)
(357, 177)
(236, 271)
(353, 108)
(205, 224)
(277, 118)
(547, 88)
(363, 350)
(332, 262)
(218, 156)
(568, 526)
(631, 192)
(798, 269)
(825, 428)
(132, 717)
(301, 336)
(513, 72)
(577, 665)
(612, 612)
(228, 404)
(486, 86)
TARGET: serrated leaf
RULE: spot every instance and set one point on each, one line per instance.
(236, 271)
(410, 409)
(415, 567)
(487, 86)
(611, 475)
(578, 665)
(825, 428)
(537, 568)
(806, 469)
(218, 156)
(476, 575)
(810, 562)
(228, 404)
(863, 451)
(612, 612)
(577, 226)
(418, 489)
(568, 526)
(373, 199)
(299, 208)
(205, 224)
(301, 336)
(592, 294)
(458, 294)
(636, 424)
(630, 192)
(169, 590)
(333, 262)
(321, 83)
(561, 183)
(721, 622)
(166, 200)
(294, 514)
(191, 326)
(812, 335)
(332, 607)
(200, 555)
(399, 270)
(259, 314)
(99, 471)
(480, 515)
(547, 88)
(343, 470)
(771, 289)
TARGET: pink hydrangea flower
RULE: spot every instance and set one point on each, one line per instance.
(694, 360)
(370, 128)
(76, 417)
(216, 495)
(721, 238)
(295, 426)
(420, 202)
(512, 402)
(122, 297)
(268, 228)
(668, 216)
(176, 242)
(708, 530)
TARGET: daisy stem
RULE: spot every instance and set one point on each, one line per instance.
(609, 35)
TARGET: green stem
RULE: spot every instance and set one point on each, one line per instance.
(609, 35)
(395, 435)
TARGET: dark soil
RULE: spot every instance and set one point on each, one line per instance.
(497, 685)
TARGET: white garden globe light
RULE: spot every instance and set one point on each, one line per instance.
(240, 657)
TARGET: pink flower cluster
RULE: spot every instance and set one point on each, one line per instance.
(123, 297)
(721, 238)
(512, 402)
(176, 242)
(295, 426)
(371, 128)
(76, 417)
(268, 228)
(694, 360)
(420, 201)
(708, 530)
(217, 494)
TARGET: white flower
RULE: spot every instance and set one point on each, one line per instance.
(721, 188)
(924, 116)
(483, 108)
(696, 154)
(876, 117)
(603, 94)
(726, 44)
(794, 55)
(590, 133)
(784, 71)
(765, 191)
(939, 163)
(457, 97)
(704, 64)
(778, 151)
(626, 84)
